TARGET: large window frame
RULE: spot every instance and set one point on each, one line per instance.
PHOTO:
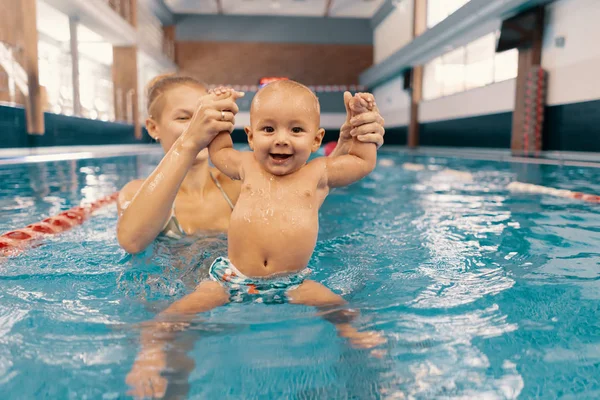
(469, 67)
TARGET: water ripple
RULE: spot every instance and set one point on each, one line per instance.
(480, 293)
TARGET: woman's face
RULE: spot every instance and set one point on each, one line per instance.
(179, 105)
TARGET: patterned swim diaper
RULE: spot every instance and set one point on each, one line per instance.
(260, 290)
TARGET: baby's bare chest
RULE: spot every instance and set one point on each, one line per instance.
(283, 199)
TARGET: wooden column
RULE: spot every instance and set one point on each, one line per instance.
(419, 26)
(34, 111)
(12, 36)
(125, 86)
(169, 41)
(529, 56)
(18, 29)
(133, 12)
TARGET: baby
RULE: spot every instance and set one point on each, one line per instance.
(274, 225)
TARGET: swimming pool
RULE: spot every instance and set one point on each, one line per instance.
(481, 293)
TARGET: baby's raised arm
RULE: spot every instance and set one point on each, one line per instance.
(352, 167)
(222, 154)
(361, 158)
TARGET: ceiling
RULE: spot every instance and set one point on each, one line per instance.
(295, 8)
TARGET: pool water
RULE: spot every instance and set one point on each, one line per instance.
(480, 293)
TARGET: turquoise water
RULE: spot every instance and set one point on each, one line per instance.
(480, 293)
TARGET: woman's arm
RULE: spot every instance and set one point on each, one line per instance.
(368, 127)
(144, 210)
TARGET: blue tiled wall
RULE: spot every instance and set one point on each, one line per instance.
(492, 131)
(573, 127)
(569, 127)
(62, 130)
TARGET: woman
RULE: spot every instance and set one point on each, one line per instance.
(184, 195)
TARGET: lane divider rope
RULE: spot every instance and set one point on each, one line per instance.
(14, 242)
(521, 187)
(518, 187)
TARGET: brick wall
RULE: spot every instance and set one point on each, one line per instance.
(244, 63)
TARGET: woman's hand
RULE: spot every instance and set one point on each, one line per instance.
(367, 126)
(215, 113)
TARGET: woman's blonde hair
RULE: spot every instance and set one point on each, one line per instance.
(160, 85)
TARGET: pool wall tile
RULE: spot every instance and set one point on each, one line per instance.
(491, 131)
(62, 130)
(568, 127)
(573, 127)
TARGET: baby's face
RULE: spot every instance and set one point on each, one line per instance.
(284, 129)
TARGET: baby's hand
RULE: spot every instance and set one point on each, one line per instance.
(224, 90)
(361, 103)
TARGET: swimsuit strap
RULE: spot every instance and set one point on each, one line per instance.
(176, 221)
(172, 228)
(221, 189)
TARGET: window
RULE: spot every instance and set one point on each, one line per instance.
(56, 69)
(433, 80)
(95, 75)
(95, 90)
(453, 71)
(506, 65)
(469, 67)
(55, 74)
(480, 62)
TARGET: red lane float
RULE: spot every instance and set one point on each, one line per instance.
(15, 242)
(519, 187)
(330, 147)
(529, 188)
